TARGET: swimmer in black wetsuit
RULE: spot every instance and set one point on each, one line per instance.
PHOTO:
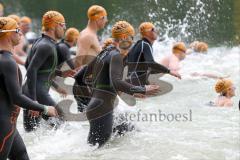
(140, 58)
(107, 71)
(41, 65)
(64, 45)
(11, 97)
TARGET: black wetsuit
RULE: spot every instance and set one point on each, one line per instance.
(141, 63)
(107, 71)
(11, 143)
(64, 54)
(41, 65)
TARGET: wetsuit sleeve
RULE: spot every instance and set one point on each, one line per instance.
(65, 54)
(155, 67)
(41, 54)
(14, 89)
(84, 72)
(116, 76)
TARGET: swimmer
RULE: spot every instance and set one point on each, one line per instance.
(88, 47)
(198, 46)
(107, 71)
(11, 97)
(226, 89)
(64, 45)
(15, 56)
(140, 58)
(178, 54)
(41, 65)
(25, 26)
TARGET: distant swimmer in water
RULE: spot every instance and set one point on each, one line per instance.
(41, 66)
(11, 97)
(88, 47)
(178, 54)
(107, 71)
(197, 46)
(140, 59)
(226, 89)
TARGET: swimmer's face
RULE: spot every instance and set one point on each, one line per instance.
(231, 91)
(60, 29)
(182, 56)
(15, 37)
(151, 34)
(25, 27)
(101, 23)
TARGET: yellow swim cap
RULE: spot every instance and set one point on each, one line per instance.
(26, 20)
(122, 29)
(50, 20)
(71, 34)
(223, 85)
(96, 12)
(145, 27)
(179, 48)
(107, 42)
(7, 23)
(15, 17)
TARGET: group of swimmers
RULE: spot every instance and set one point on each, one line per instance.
(97, 70)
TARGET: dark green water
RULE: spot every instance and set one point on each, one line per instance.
(214, 21)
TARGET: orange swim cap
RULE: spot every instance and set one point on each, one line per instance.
(107, 42)
(122, 30)
(145, 27)
(26, 20)
(50, 20)
(96, 12)
(223, 85)
(199, 46)
(179, 48)
(71, 35)
(7, 23)
(15, 17)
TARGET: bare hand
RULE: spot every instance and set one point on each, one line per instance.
(175, 74)
(52, 112)
(139, 95)
(62, 92)
(32, 113)
(68, 73)
(152, 89)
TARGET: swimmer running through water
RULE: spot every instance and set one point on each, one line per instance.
(107, 71)
(11, 97)
(41, 65)
(88, 47)
(140, 58)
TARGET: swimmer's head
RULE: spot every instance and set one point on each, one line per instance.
(71, 35)
(9, 31)
(97, 14)
(123, 33)
(225, 87)
(1, 10)
(25, 24)
(179, 49)
(53, 20)
(15, 17)
(200, 47)
(107, 42)
(148, 30)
